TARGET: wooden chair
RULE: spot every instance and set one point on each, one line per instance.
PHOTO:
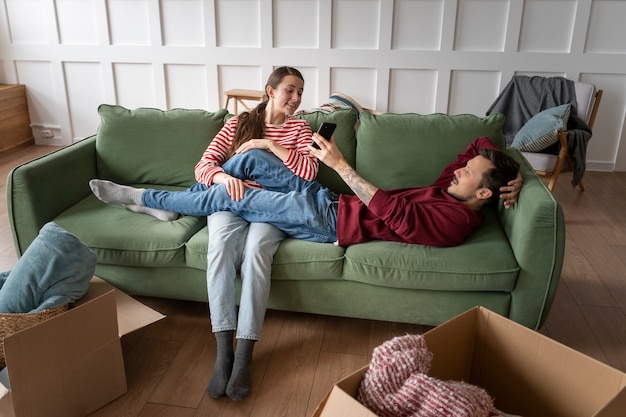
(548, 165)
(240, 95)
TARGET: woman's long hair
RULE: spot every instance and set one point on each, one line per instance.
(252, 124)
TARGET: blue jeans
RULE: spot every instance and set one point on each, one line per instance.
(302, 209)
(235, 244)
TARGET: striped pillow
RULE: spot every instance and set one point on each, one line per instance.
(542, 129)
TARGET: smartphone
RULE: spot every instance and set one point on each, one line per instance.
(326, 130)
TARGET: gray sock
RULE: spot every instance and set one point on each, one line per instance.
(130, 197)
(239, 384)
(112, 193)
(223, 364)
(163, 215)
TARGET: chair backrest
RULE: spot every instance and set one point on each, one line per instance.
(587, 101)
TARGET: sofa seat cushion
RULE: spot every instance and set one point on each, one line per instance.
(485, 262)
(295, 260)
(121, 237)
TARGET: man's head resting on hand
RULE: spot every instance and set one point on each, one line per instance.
(479, 181)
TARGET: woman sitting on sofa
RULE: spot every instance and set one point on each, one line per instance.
(236, 244)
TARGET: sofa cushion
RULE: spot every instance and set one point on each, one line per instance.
(121, 237)
(542, 130)
(484, 262)
(344, 137)
(152, 146)
(295, 259)
(408, 150)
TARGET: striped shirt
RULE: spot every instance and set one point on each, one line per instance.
(294, 135)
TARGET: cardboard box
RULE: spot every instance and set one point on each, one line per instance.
(527, 373)
(72, 364)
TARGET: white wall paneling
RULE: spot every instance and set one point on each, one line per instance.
(192, 32)
(85, 92)
(450, 56)
(77, 22)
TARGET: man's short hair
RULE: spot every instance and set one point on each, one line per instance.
(505, 169)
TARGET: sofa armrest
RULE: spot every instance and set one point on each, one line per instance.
(535, 227)
(41, 189)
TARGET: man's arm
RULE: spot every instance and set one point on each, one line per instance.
(331, 156)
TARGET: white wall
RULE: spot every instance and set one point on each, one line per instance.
(402, 56)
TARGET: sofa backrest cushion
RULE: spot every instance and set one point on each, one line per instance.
(409, 150)
(152, 146)
(344, 137)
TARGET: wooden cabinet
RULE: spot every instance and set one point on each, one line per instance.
(14, 119)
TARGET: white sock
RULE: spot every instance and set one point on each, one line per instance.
(130, 197)
(163, 215)
(112, 193)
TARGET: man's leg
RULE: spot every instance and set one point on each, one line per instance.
(268, 171)
(307, 215)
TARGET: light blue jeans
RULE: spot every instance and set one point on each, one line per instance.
(235, 244)
(302, 209)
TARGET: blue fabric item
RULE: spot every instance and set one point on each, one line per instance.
(542, 129)
(55, 270)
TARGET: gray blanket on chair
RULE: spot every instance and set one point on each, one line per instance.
(523, 97)
(55, 270)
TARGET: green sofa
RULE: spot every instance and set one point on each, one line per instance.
(511, 264)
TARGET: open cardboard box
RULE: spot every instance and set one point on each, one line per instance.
(72, 364)
(525, 372)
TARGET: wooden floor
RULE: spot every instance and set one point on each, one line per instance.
(168, 364)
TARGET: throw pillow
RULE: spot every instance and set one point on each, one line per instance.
(542, 129)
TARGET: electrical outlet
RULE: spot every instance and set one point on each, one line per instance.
(46, 133)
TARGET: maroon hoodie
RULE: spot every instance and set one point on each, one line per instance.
(426, 215)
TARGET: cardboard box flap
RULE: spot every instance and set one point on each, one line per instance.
(615, 408)
(131, 314)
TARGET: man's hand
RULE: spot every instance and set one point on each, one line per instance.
(331, 156)
(510, 191)
(328, 152)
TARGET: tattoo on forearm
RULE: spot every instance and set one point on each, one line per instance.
(363, 189)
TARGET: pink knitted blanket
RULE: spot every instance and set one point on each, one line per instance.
(397, 385)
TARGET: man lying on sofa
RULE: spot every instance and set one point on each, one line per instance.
(442, 214)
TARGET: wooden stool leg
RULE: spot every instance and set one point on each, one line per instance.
(245, 106)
